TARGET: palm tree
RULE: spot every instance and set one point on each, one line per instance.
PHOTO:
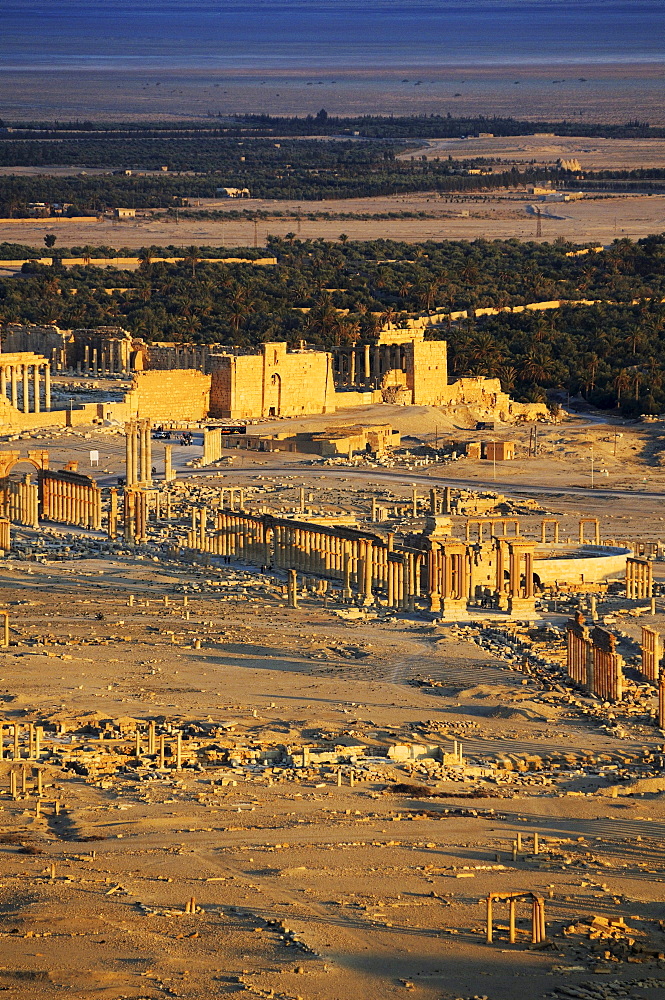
(536, 366)
(192, 258)
(621, 384)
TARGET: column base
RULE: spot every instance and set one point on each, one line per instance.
(521, 607)
(454, 609)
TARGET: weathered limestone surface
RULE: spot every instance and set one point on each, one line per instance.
(274, 383)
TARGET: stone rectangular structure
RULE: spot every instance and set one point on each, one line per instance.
(272, 383)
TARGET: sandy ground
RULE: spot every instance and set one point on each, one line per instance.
(382, 892)
(574, 93)
(375, 886)
(592, 219)
(623, 455)
(593, 154)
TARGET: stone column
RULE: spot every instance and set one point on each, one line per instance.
(293, 589)
(366, 359)
(47, 388)
(129, 455)
(434, 587)
(367, 572)
(168, 464)
(113, 515)
(26, 389)
(14, 375)
(352, 372)
(135, 451)
(35, 388)
(3, 381)
(528, 575)
(148, 452)
(346, 564)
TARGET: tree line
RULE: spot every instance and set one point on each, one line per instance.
(369, 126)
(336, 292)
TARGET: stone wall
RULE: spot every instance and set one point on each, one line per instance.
(40, 339)
(275, 383)
(427, 371)
(584, 564)
(169, 395)
(486, 394)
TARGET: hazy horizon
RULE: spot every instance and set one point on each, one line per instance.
(290, 35)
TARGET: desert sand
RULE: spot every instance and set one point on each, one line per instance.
(594, 219)
(318, 881)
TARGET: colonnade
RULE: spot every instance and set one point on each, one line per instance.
(180, 356)
(138, 453)
(480, 523)
(364, 364)
(579, 655)
(370, 566)
(639, 579)
(652, 652)
(25, 380)
(14, 750)
(136, 508)
(20, 502)
(97, 356)
(5, 534)
(360, 563)
(70, 499)
(595, 524)
(592, 660)
(553, 521)
(538, 930)
(607, 666)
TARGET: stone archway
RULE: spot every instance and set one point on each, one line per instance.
(8, 459)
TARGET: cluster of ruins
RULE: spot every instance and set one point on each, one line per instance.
(448, 570)
(397, 366)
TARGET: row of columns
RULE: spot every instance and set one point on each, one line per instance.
(20, 502)
(5, 534)
(452, 581)
(358, 563)
(106, 358)
(19, 378)
(365, 363)
(592, 660)
(444, 573)
(71, 503)
(491, 523)
(538, 929)
(639, 579)
(14, 750)
(652, 651)
(178, 356)
(138, 453)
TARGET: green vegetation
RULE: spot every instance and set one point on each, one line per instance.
(366, 126)
(314, 172)
(160, 166)
(327, 293)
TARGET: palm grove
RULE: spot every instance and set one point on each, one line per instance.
(335, 292)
